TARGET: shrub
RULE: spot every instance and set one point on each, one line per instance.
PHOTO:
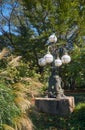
(8, 109)
(77, 119)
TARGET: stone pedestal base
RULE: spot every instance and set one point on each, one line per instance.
(60, 107)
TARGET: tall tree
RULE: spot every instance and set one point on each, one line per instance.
(64, 18)
(29, 25)
(59, 16)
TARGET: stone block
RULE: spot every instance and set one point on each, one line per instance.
(60, 107)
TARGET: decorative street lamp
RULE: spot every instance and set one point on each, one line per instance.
(55, 102)
(54, 88)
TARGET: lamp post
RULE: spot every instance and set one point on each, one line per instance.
(55, 102)
(52, 57)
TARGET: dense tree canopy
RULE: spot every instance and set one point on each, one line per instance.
(27, 24)
(66, 20)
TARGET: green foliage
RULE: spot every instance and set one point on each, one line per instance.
(77, 119)
(78, 59)
(75, 71)
(33, 22)
(79, 97)
(8, 109)
(60, 17)
(16, 86)
(44, 121)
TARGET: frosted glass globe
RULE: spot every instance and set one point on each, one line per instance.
(66, 59)
(52, 38)
(58, 62)
(48, 58)
(42, 62)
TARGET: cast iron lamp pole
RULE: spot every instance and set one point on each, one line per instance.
(54, 88)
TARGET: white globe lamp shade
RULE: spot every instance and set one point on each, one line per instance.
(48, 58)
(58, 62)
(66, 59)
(42, 62)
(52, 38)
